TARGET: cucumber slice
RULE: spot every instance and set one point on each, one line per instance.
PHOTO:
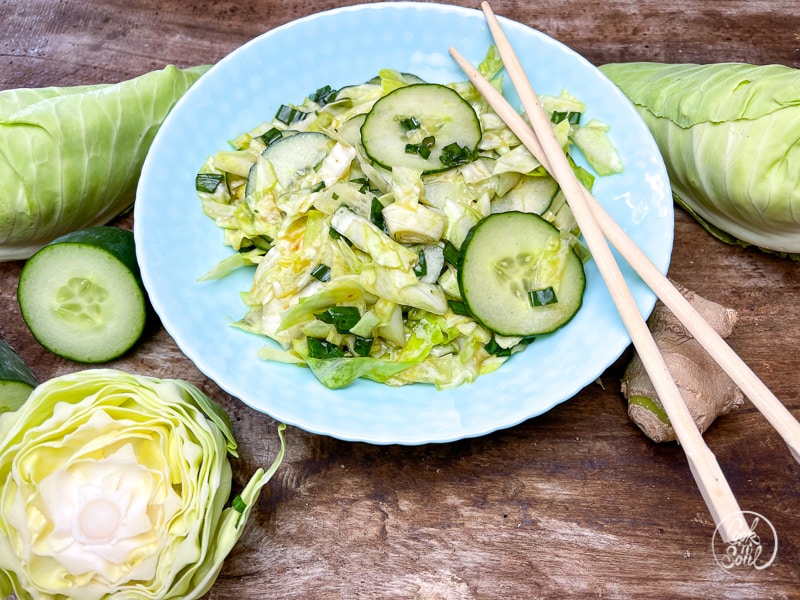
(16, 379)
(295, 155)
(350, 131)
(441, 113)
(508, 256)
(82, 295)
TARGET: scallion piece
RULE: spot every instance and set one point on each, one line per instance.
(574, 117)
(271, 136)
(410, 123)
(495, 349)
(451, 253)
(376, 213)
(207, 182)
(543, 296)
(324, 95)
(421, 269)
(318, 187)
(423, 148)
(321, 273)
(459, 308)
(362, 346)
(454, 155)
(289, 115)
(343, 318)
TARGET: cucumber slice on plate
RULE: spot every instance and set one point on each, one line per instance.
(295, 155)
(82, 295)
(418, 125)
(16, 379)
(518, 276)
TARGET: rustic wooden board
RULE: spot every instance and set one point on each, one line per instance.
(576, 502)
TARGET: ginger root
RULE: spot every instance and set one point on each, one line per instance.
(706, 389)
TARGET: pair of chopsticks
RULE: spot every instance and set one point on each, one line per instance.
(598, 227)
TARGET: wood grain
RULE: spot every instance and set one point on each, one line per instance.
(576, 502)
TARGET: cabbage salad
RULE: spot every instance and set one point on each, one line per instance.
(355, 260)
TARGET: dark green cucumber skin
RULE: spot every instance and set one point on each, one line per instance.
(13, 368)
(114, 240)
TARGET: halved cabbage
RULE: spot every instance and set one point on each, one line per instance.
(730, 137)
(70, 157)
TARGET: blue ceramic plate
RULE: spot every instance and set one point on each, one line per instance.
(177, 243)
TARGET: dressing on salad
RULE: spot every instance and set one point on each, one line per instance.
(353, 209)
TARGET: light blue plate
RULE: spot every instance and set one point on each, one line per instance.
(177, 244)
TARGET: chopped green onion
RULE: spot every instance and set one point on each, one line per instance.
(410, 123)
(289, 115)
(207, 182)
(271, 136)
(421, 269)
(335, 196)
(454, 155)
(322, 273)
(335, 235)
(376, 213)
(574, 117)
(318, 187)
(343, 318)
(362, 346)
(459, 308)
(542, 297)
(239, 506)
(495, 349)
(323, 349)
(451, 253)
(365, 185)
(423, 148)
(324, 95)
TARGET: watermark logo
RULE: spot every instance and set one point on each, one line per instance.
(755, 550)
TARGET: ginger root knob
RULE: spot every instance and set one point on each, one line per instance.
(706, 389)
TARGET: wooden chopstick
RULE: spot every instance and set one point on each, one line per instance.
(707, 473)
(781, 419)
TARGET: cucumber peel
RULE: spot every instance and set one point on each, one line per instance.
(82, 295)
(16, 379)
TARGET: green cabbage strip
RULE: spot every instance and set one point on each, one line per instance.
(116, 485)
(730, 137)
(70, 157)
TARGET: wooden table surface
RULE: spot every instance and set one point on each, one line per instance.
(576, 502)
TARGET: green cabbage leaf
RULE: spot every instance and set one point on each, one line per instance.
(730, 137)
(70, 157)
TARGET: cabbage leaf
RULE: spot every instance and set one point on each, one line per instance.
(730, 137)
(70, 157)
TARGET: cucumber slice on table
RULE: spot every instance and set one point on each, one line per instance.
(82, 295)
(16, 379)
(518, 276)
(407, 116)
